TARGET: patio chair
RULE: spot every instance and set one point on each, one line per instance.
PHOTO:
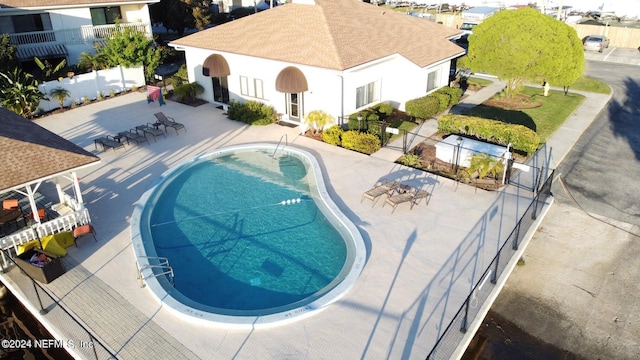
(9, 204)
(42, 215)
(108, 142)
(132, 135)
(151, 129)
(413, 197)
(83, 230)
(379, 189)
(169, 122)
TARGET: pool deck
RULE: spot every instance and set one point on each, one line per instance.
(420, 266)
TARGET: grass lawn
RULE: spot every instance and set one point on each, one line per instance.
(544, 120)
(586, 83)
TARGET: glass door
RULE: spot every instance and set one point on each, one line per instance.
(220, 89)
(294, 106)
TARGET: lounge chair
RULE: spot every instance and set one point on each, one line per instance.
(108, 142)
(132, 135)
(169, 122)
(413, 197)
(150, 129)
(379, 189)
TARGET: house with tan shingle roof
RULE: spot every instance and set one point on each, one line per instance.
(63, 29)
(338, 56)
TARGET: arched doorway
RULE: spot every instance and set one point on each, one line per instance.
(292, 82)
(216, 67)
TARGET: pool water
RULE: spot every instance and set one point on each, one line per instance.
(243, 233)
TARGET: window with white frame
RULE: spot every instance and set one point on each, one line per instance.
(366, 94)
(251, 87)
(432, 80)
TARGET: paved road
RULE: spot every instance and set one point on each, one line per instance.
(603, 168)
(578, 289)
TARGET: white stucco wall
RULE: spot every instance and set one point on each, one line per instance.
(398, 80)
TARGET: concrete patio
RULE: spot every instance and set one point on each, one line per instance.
(421, 264)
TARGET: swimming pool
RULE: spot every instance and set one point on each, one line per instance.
(251, 236)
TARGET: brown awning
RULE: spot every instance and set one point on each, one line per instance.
(215, 66)
(291, 80)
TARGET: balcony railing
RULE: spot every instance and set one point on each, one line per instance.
(76, 36)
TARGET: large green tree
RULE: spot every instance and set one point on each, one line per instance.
(129, 47)
(525, 45)
(177, 15)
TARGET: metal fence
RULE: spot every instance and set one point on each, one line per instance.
(454, 333)
(74, 336)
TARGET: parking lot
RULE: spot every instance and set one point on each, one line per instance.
(616, 55)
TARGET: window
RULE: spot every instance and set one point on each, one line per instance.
(432, 80)
(105, 15)
(28, 23)
(251, 87)
(366, 94)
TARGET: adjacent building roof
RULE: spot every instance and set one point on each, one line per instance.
(42, 4)
(334, 34)
(29, 152)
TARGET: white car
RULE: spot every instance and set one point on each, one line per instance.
(595, 42)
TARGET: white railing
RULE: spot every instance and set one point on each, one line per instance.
(59, 224)
(74, 36)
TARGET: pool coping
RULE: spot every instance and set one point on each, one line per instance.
(157, 285)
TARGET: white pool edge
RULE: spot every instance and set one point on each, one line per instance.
(198, 316)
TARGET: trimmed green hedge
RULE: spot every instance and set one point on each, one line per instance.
(443, 100)
(438, 101)
(422, 108)
(521, 137)
(361, 142)
(252, 112)
(332, 135)
(455, 94)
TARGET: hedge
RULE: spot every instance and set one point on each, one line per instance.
(332, 135)
(455, 94)
(422, 108)
(361, 142)
(443, 100)
(521, 137)
(252, 112)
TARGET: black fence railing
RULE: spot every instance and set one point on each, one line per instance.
(454, 333)
(73, 335)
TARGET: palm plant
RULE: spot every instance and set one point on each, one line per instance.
(50, 72)
(318, 120)
(19, 93)
(93, 62)
(60, 94)
(485, 164)
(188, 92)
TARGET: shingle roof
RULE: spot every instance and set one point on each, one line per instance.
(335, 34)
(29, 152)
(56, 3)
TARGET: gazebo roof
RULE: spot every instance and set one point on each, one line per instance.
(29, 152)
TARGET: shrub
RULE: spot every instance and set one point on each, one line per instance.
(443, 100)
(332, 135)
(368, 117)
(361, 142)
(188, 92)
(422, 108)
(521, 137)
(317, 120)
(412, 160)
(251, 112)
(455, 94)
(383, 110)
